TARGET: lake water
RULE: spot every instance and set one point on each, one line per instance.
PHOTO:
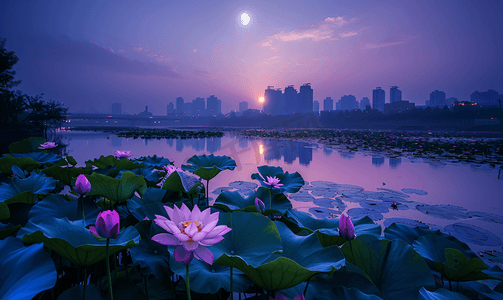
(473, 190)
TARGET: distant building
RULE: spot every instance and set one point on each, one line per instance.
(306, 99)
(364, 103)
(488, 98)
(243, 105)
(213, 106)
(398, 107)
(437, 99)
(274, 102)
(328, 104)
(378, 99)
(116, 108)
(170, 109)
(347, 102)
(179, 106)
(198, 107)
(450, 101)
(316, 107)
(291, 100)
(394, 94)
(187, 109)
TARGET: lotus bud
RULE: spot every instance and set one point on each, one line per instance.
(82, 185)
(346, 228)
(107, 224)
(259, 205)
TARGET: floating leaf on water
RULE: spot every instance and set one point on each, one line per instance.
(414, 191)
(354, 195)
(217, 191)
(404, 221)
(324, 192)
(394, 199)
(323, 212)
(361, 212)
(472, 234)
(374, 195)
(302, 197)
(349, 188)
(307, 187)
(395, 193)
(326, 202)
(449, 212)
(324, 184)
(486, 217)
(374, 205)
(243, 185)
(399, 206)
(492, 255)
(352, 199)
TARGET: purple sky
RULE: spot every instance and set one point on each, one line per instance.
(93, 53)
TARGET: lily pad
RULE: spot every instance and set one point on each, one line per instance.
(219, 190)
(492, 218)
(325, 202)
(374, 206)
(449, 212)
(349, 188)
(208, 166)
(323, 212)
(414, 191)
(492, 255)
(408, 222)
(302, 197)
(156, 161)
(324, 192)
(22, 264)
(291, 182)
(234, 200)
(394, 193)
(324, 184)
(36, 184)
(243, 185)
(472, 234)
(361, 212)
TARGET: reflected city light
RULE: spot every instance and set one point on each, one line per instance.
(261, 149)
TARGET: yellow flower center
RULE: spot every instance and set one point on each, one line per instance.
(186, 224)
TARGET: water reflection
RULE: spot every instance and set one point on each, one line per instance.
(377, 161)
(347, 155)
(394, 162)
(288, 150)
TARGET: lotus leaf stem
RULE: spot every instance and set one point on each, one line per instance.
(108, 270)
(85, 281)
(232, 291)
(187, 281)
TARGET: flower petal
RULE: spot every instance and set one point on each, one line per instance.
(191, 230)
(181, 255)
(204, 254)
(166, 239)
(219, 230)
(195, 214)
(185, 213)
(92, 229)
(212, 241)
(182, 236)
(173, 216)
(190, 245)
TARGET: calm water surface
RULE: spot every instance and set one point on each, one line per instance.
(473, 187)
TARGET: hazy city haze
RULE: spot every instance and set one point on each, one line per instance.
(90, 54)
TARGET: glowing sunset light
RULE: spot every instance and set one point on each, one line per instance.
(245, 19)
(261, 100)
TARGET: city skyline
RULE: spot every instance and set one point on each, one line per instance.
(94, 54)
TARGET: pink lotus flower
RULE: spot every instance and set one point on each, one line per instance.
(122, 153)
(190, 232)
(259, 205)
(346, 228)
(82, 185)
(107, 225)
(48, 145)
(279, 296)
(273, 182)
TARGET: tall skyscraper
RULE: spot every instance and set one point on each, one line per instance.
(291, 100)
(213, 106)
(243, 105)
(378, 99)
(306, 98)
(364, 102)
(179, 106)
(394, 94)
(490, 97)
(347, 102)
(328, 104)
(170, 109)
(198, 107)
(274, 103)
(316, 107)
(437, 98)
(116, 108)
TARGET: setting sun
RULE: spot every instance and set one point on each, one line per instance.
(261, 99)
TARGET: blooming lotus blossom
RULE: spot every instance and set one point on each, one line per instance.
(107, 225)
(273, 182)
(122, 153)
(82, 185)
(279, 296)
(346, 228)
(190, 232)
(48, 145)
(259, 205)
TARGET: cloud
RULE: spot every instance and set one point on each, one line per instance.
(321, 31)
(121, 51)
(348, 34)
(381, 44)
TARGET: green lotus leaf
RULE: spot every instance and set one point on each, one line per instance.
(181, 182)
(19, 173)
(74, 242)
(40, 157)
(4, 211)
(151, 195)
(279, 274)
(77, 292)
(156, 161)
(253, 237)
(440, 294)
(65, 175)
(56, 207)
(459, 268)
(36, 183)
(394, 267)
(26, 270)
(234, 200)
(208, 166)
(291, 182)
(148, 172)
(25, 163)
(8, 230)
(117, 190)
(30, 144)
(152, 256)
(344, 293)
(112, 165)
